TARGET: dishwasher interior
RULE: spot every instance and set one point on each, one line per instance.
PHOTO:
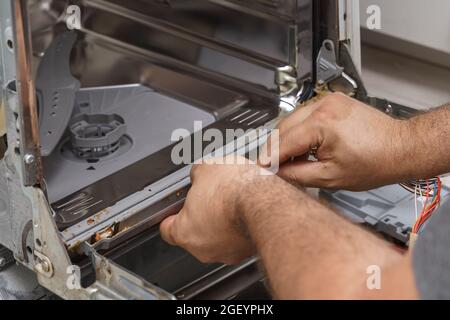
(90, 160)
(111, 94)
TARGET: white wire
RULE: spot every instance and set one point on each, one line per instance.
(415, 202)
(422, 198)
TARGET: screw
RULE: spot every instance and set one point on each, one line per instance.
(45, 266)
(29, 159)
(389, 109)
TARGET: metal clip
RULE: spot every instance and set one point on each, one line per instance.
(44, 265)
(328, 68)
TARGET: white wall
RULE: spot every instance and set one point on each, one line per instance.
(415, 70)
(424, 22)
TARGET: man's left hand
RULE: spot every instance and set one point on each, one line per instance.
(209, 225)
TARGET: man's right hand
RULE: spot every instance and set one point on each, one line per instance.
(357, 147)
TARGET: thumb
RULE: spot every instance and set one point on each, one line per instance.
(167, 230)
(304, 173)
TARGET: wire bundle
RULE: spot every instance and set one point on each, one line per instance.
(429, 191)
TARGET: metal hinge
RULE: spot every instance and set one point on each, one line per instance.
(328, 68)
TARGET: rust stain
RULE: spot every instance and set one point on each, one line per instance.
(74, 247)
(104, 234)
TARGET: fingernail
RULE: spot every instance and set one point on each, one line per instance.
(264, 160)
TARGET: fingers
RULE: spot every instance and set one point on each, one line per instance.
(167, 230)
(294, 124)
(297, 117)
(299, 141)
(194, 172)
(305, 173)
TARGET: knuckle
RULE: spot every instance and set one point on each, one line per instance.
(330, 109)
(329, 183)
(167, 234)
(175, 235)
(335, 100)
(328, 178)
(195, 171)
(322, 114)
(181, 239)
(212, 161)
(180, 234)
(331, 98)
(336, 97)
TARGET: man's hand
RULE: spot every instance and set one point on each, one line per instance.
(356, 146)
(233, 212)
(209, 225)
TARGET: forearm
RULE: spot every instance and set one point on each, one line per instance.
(308, 251)
(425, 145)
(431, 143)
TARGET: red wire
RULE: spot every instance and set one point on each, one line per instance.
(419, 221)
(435, 202)
(427, 212)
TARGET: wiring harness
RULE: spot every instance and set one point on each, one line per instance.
(428, 192)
